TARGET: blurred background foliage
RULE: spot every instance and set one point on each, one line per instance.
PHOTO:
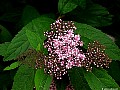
(101, 14)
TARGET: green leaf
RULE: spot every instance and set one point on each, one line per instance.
(81, 3)
(29, 13)
(12, 66)
(39, 26)
(92, 34)
(114, 70)
(5, 35)
(18, 45)
(98, 79)
(24, 78)
(65, 6)
(33, 38)
(3, 48)
(42, 80)
(49, 15)
(38, 47)
(93, 81)
(94, 15)
(77, 79)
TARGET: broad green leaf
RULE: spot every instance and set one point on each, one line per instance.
(3, 48)
(98, 79)
(105, 78)
(65, 6)
(20, 42)
(39, 26)
(12, 66)
(33, 38)
(24, 78)
(18, 45)
(29, 13)
(49, 15)
(114, 70)
(81, 3)
(94, 15)
(42, 80)
(5, 35)
(93, 81)
(47, 82)
(90, 33)
(77, 79)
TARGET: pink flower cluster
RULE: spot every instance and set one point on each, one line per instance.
(65, 51)
(62, 46)
(96, 56)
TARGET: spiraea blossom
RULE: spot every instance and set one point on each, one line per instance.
(62, 47)
(65, 51)
(95, 55)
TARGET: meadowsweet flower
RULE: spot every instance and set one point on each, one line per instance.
(62, 46)
(96, 56)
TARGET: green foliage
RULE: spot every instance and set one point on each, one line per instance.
(18, 45)
(99, 78)
(77, 79)
(91, 33)
(114, 70)
(27, 17)
(80, 3)
(3, 48)
(42, 80)
(24, 78)
(65, 6)
(38, 27)
(33, 38)
(12, 66)
(94, 15)
(5, 35)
